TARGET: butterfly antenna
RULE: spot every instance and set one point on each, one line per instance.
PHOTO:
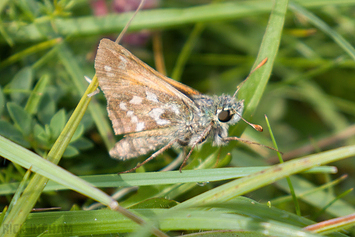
(255, 126)
(129, 22)
(257, 67)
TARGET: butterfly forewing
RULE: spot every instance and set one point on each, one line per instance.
(138, 98)
(139, 109)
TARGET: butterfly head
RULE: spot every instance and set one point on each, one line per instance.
(229, 109)
(229, 112)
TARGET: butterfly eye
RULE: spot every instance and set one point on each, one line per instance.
(225, 116)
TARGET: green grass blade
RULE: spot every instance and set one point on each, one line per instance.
(341, 41)
(186, 51)
(307, 192)
(161, 178)
(254, 87)
(102, 222)
(29, 51)
(149, 19)
(244, 185)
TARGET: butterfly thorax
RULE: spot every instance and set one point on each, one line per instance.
(214, 112)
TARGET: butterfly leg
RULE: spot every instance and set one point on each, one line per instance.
(198, 140)
(249, 142)
(155, 154)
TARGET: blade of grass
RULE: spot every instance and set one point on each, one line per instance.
(333, 183)
(333, 224)
(28, 159)
(150, 19)
(160, 178)
(18, 191)
(324, 209)
(253, 89)
(29, 51)
(316, 21)
(254, 181)
(186, 51)
(292, 190)
(315, 196)
(147, 19)
(103, 222)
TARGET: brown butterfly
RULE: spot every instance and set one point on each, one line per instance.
(155, 112)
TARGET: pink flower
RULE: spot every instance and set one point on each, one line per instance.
(99, 7)
(118, 6)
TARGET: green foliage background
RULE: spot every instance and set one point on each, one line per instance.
(47, 48)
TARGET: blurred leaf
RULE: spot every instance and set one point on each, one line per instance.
(57, 123)
(82, 143)
(21, 118)
(9, 131)
(46, 109)
(70, 152)
(2, 101)
(3, 32)
(40, 134)
(21, 85)
(78, 133)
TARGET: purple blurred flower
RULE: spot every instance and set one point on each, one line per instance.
(99, 7)
(118, 6)
(131, 5)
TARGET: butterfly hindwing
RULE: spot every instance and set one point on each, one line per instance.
(137, 144)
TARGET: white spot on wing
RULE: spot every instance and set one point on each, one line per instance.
(136, 100)
(151, 96)
(134, 119)
(123, 63)
(123, 106)
(174, 108)
(155, 114)
(125, 147)
(140, 126)
(107, 68)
